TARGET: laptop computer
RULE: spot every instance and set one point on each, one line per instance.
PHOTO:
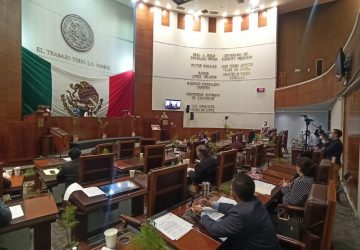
(119, 188)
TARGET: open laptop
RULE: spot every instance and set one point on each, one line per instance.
(119, 188)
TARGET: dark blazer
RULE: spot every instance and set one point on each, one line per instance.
(246, 226)
(205, 170)
(5, 215)
(334, 148)
(69, 173)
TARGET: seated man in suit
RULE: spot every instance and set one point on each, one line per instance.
(205, 170)
(70, 170)
(247, 225)
(5, 215)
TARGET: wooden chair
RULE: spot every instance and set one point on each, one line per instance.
(285, 141)
(274, 152)
(193, 147)
(227, 167)
(317, 226)
(145, 142)
(154, 157)
(104, 148)
(96, 167)
(258, 156)
(167, 187)
(124, 149)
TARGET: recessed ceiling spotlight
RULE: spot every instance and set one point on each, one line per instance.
(237, 12)
(274, 4)
(224, 14)
(168, 6)
(254, 2)
(157, 2)
(262, 7)
(248, 10)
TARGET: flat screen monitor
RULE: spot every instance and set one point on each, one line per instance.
(172, 104)
(340, 64)
(119, 188)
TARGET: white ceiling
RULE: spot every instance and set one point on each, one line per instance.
(232, 7)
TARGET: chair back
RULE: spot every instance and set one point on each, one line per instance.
(96, 167)
(278, 151)
(145, 142)
(317, 155)
(154, 157)
(258, 155)
(167, 187)
(330, 216)
(313, 224)
(193, 150)
(104, 148)
(322, 172)
(124, 149)
(227, 167)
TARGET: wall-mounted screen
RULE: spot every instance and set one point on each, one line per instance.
(172, 104)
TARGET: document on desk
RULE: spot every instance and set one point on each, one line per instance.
(16, 211)
(212, 213)
(227, 200)
(172, 226)
(72, 188)
(263, 187)
(67, 159)
(93, 191)
(51, 171)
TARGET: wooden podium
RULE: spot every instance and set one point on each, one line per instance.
(156, 132)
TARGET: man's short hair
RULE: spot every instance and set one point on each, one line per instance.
(243, 186)
(338, 132)
(74, 153)
(202, 149)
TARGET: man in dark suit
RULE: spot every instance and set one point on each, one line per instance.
(334, 148)
(205, 170)
(247, 224)
(70, 170)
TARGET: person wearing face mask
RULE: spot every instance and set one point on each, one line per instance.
(247, 225)
(334, 148)
(323, 139)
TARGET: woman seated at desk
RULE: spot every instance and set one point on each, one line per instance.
(205, 170)
(296, 192)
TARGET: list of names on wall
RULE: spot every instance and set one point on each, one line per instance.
(207, 68)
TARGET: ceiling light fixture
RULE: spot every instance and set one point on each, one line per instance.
(224, 14)
(168, 6)
(157, 2)
(254, 2)
(262, 7)
(274, 4)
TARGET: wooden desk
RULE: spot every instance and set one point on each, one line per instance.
(286, 169)
(137, 163)
(87, 204)
(39, 213)
(43, 163)
(223, 144)
(16, 184)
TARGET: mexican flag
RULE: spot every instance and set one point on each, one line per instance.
(68, 94)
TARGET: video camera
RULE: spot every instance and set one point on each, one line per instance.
(307, 119)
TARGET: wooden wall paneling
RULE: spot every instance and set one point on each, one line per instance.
(197, 23)
(4, 140)
(300, 43)
(143, 61)
(165, 17)
(181, 21)
(262, 18)
(352, 143)
(228, 24)
(10, 60)
(212, 25)
(245, 22)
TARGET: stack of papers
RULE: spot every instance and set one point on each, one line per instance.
(67, 159)
(51, 171)
(16, 211)
(212, 213)
(227, 200)
(263, 187)
(90, 191)
(172, 226)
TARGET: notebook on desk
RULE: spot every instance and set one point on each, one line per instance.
(119, 188)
